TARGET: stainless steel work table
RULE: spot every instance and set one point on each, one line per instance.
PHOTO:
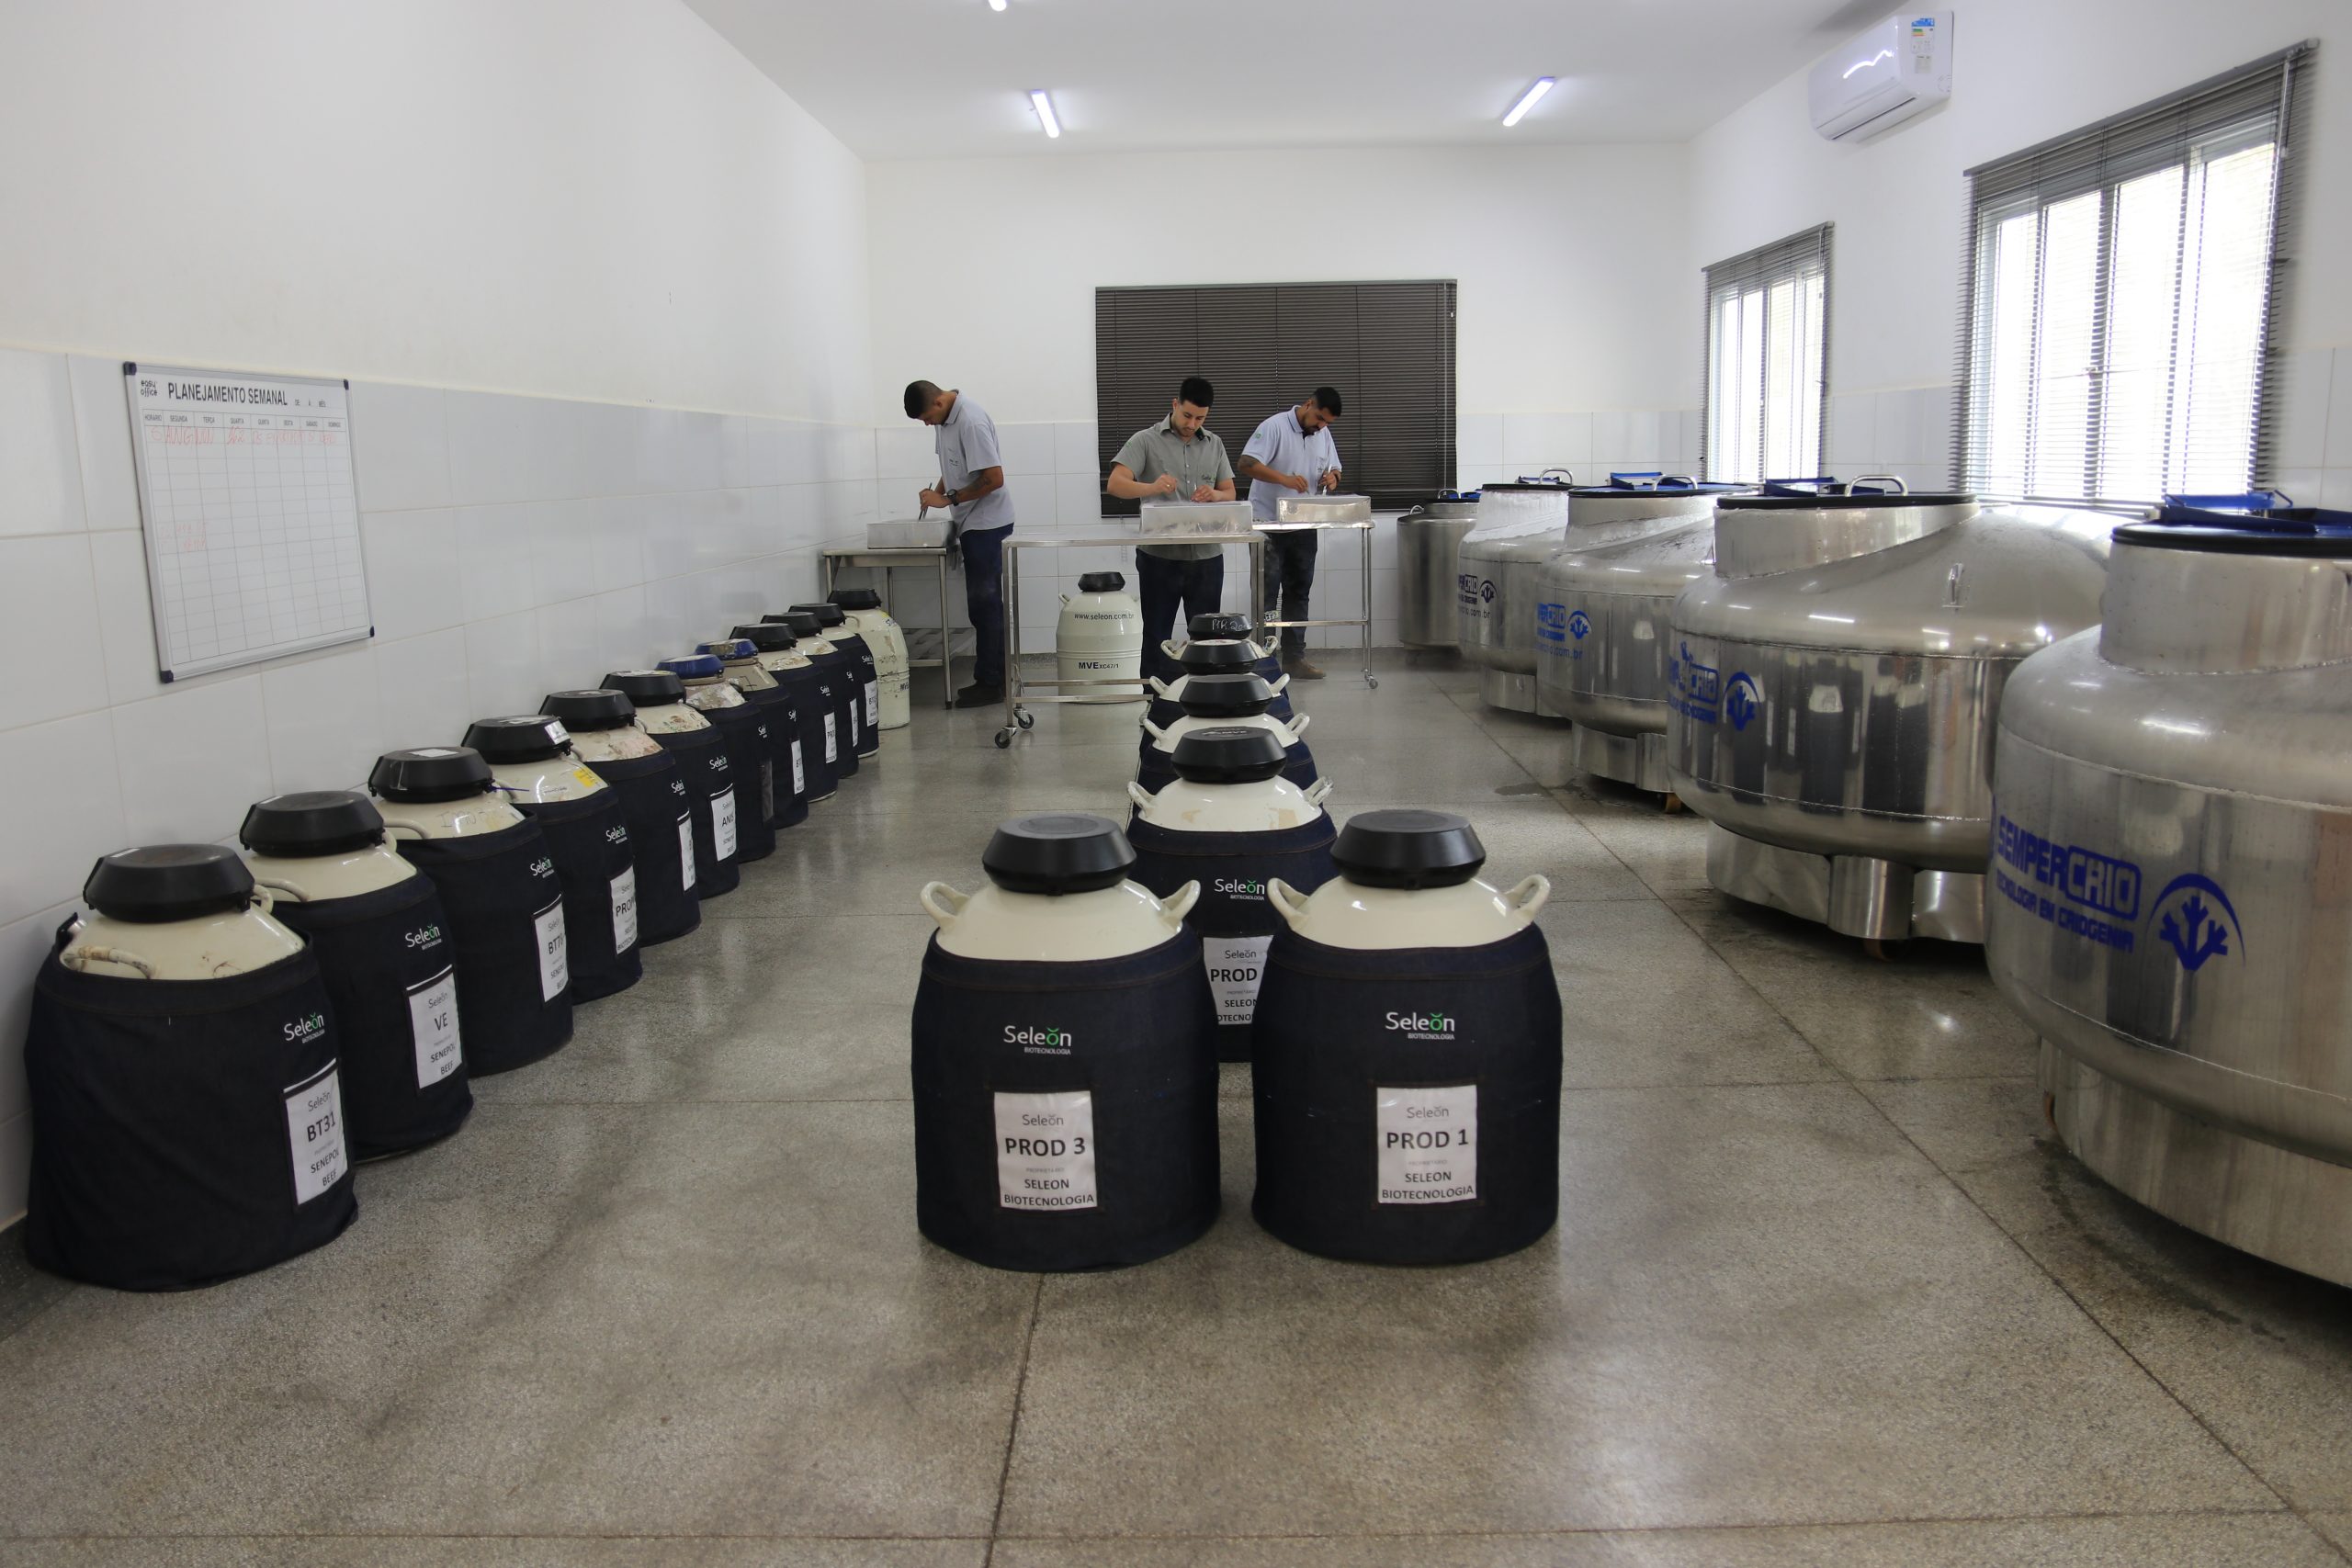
(836, 557)
(1016, 716)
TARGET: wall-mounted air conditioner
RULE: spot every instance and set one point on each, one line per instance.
(1895, 70)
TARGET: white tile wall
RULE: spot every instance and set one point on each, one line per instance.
(515, 546)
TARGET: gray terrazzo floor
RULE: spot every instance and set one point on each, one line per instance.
(1825, 1289)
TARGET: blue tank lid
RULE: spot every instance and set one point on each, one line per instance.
(728, 648)
(693, 667)
(2304, 533)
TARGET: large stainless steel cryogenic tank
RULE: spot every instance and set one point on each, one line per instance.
(2171, 904)
(1601, 626)
(1834, 690)
(1520, 525)
(1429, 540)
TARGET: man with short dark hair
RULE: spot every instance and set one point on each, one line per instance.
(971, 486)
(1294, 451)
(1178, 459)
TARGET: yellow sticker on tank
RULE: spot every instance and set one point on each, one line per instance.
(586, 780)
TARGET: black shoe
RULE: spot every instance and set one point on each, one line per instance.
(1298, 668)
(980, 697)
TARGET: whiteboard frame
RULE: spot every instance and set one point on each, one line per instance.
(164, 670)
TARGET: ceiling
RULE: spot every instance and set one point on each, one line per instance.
(949, 78)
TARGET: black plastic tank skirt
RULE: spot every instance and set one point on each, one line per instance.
(1408, 1099)
(1065, 1113)
(837, 684)
(781, 704)
(1236, 923)
(391, 988)
(185, 1132)
(709, 779)
(588, 837)
(506, 919)
(751, 761)
(834, 626)
(808, 689)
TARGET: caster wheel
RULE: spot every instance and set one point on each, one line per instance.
(1028, 721)
(1003, 739)
(1372, 680)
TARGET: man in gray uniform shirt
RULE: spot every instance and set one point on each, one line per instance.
(1179, 459)
(1293, 450)
(971, 483)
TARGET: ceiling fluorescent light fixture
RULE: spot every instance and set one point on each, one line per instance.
(1528, 100)
(1044, 111)
(996, 4)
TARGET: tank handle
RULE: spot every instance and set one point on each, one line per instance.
(1179, 904)
(122, 956)
(289, 889)
(1316, 791)
(942, 903)
(1065, 598)
(265, 898)
(1159, 687)
(1168, 645)
(1894, 479)
(1140, 796)
(1156, 732)
(1298, 726)
(1281, 684)
(1286, 901)
(1529, 895)
(404, 829)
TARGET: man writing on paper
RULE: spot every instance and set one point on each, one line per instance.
(971, 482)
(1293, 451)
(1179, 459)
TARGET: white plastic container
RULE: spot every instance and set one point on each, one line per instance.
(862, 611)
(1407, 904)
(176, 912)
(1100, 637)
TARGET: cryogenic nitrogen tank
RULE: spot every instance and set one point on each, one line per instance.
(1064, 1065)
(1835, 686)
(1519, 527)
(1100, 637)
(2171, 898)
(1428, 541)
(1601, 625)
(861, 608)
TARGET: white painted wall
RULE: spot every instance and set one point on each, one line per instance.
(2025, 71)
(536, 235)
(1572, 263)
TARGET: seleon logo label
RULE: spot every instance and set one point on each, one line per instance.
(1048, 1041)
(1240, 887)
(307, 1029)
(423, 937)
(1419, 1025)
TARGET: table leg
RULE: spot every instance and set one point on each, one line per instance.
(947, 634)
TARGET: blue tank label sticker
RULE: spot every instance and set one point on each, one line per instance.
(1742, 700)
(2195, 929)
(1486, 590)
(1580, 625)
(1552, 622)
(1696, 688)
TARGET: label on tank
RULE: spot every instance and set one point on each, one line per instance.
(314, 1125)
(686, 853)
(1427, 1138)
(722, 824)
(799, 774)
(831, 754)
(432, 1020)
(1236, 966)
(555, 958)
(586, 780)
(767, 789)
(873, 704)
(855, 707)
(1044, 1150)
(625, 909)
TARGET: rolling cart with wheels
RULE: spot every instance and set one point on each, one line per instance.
(1334, 514)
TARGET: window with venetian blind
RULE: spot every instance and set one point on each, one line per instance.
(2122, 293)
(1767, 384)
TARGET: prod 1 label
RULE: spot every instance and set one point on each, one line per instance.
(1428, 1144)
(1044, 1150)
(1236, 966)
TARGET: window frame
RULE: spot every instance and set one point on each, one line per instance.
(1792, 259)
(2190, 130)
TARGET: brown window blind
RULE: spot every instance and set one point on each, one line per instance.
(1387, 347)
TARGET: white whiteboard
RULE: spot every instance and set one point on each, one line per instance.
(252, 517)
